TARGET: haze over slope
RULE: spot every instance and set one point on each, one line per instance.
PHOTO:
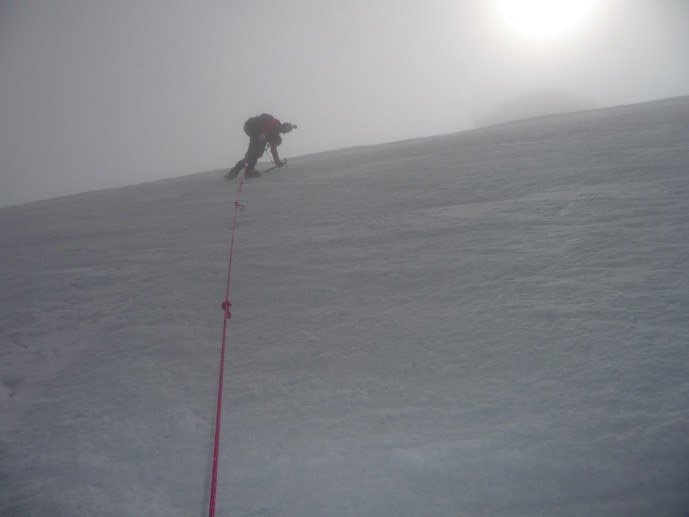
(489, 322)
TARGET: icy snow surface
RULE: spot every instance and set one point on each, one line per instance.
(493, 322)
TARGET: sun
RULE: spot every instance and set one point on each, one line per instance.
(542, 19)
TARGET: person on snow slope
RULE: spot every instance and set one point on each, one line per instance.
(262, 130)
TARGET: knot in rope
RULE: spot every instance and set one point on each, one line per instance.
(226, 305)
(239, 205)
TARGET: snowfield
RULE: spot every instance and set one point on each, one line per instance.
(493, 322)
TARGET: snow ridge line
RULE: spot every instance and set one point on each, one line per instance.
(226, 306)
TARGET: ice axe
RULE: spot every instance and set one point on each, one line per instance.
(284, 162)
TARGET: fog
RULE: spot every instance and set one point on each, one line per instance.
(102, 94)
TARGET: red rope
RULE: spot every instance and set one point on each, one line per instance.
(226, 306)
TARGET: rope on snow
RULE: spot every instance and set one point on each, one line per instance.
(226, 306)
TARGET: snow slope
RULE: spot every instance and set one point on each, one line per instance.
(492, 322)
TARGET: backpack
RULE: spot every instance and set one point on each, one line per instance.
(252, 127)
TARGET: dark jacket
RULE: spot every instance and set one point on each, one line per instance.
(264, 128)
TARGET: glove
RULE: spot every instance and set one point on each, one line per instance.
(281, 163)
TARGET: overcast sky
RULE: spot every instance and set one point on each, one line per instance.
(108, 93)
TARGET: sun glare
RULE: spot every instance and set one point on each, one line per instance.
(541, 19)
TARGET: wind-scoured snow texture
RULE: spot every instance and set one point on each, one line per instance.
(493, 322)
